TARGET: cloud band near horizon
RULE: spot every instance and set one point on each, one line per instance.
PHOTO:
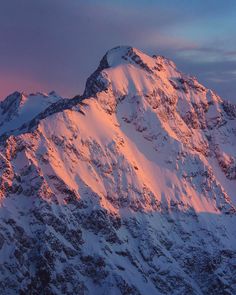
(55, 44)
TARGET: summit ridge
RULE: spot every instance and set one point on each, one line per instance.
(127, 189)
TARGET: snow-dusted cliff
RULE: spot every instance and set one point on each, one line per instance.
(129, 189)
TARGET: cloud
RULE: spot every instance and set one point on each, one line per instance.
(57, 44)
(218, 75)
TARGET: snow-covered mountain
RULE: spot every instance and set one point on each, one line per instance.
(19, 108)
(128, 189)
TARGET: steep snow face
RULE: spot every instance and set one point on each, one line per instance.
(19, 108)
(126, 70)
(130, 190)
(169, 108)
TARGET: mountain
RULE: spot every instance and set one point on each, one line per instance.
(19, 108)
(127, 189)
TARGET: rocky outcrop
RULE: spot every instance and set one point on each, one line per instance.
(128, 189)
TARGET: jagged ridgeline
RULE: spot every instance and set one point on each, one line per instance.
(127, 189)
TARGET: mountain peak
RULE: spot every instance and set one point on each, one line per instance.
(129, 189)
(11, 103)
(125, 71)
(19, 108)
(126, 54)
(124, 63)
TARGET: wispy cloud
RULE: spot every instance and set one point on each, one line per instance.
(56, 44)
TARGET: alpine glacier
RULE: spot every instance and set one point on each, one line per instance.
(127, 189)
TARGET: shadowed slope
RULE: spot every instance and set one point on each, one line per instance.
(129, 191)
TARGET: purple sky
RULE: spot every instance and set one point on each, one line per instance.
(56, 44)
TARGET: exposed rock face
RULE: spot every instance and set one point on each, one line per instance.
(129, 189)
(19, 108)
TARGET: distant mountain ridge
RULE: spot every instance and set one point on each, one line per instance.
(127, 189)
(19, 108)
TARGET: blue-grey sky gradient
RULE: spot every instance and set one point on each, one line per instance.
(56, 44)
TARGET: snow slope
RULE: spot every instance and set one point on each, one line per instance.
(19, 108)
(127, 190)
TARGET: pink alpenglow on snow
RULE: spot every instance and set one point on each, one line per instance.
(128, 189)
